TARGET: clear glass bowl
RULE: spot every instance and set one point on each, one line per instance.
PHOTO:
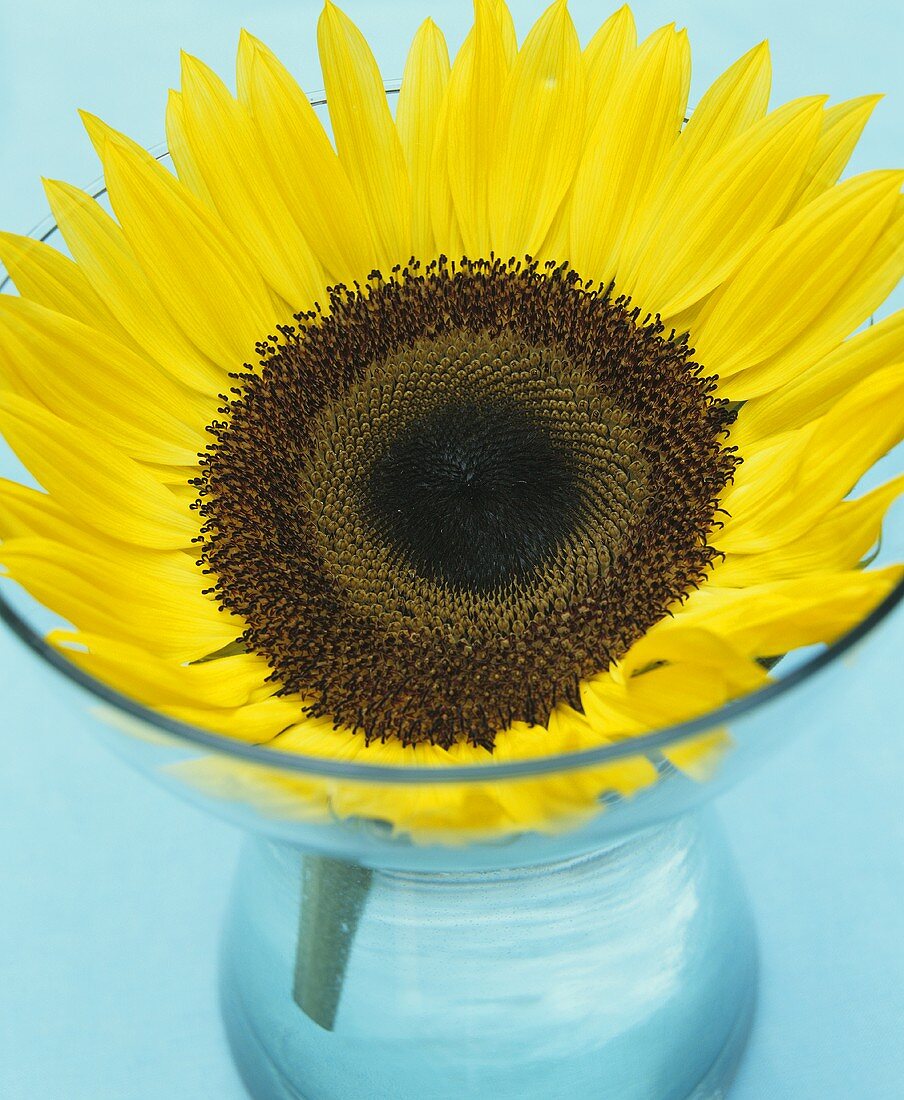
(597, 942)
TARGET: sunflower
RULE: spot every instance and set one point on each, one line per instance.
(517, 423)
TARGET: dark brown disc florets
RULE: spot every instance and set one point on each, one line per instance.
(446, 501)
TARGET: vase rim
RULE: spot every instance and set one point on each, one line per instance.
(654, 741)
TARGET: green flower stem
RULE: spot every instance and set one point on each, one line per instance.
(333, 894)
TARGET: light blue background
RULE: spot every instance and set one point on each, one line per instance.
(111, 891)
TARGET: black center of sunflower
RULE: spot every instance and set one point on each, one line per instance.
(446, 500)
(475, 495)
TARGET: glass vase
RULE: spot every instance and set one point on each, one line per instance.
(606, 952)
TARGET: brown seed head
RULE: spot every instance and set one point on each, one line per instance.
(460, 491)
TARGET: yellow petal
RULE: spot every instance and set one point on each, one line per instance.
(30, 513)
(736, 101)
(605, 58)
(678, 644)
(721, 211)
(645, 113)
(152, 599)
(730, 106)
(783, 490)
(23, 511)
(202, 275)
(228, 155)
(795, 274)
(699, 757)
(870, 284)
(539, 129)
(299, 157)
(812, 393)
(836, 543)
(841, 129)
(660, 697)
(472, 103)
(704, 673)
(424, 84)
(87, 377)
(258, 723)
(51, 279)
(506, 29)
(672, 674)
(180, 149)
(771, 619)
(178, 479)
(366, 137)
(94, 480)
(225, 682)
(447, 236)
(102, 254)
(675, 693)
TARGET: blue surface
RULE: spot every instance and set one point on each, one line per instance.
(111, 891)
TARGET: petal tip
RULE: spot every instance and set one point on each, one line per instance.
(191, 66)
(54, 187)
(429, 30)
(625, 16)
(99, 133)
(868, 103)
(90, 121)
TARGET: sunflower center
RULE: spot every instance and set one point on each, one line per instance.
(475, 495)
(443, 503)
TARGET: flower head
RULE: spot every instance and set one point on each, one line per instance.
(517, 423)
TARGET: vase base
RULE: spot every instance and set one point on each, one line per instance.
(720, 1076)
(629, 973)
(264, 1080)
(261, 1076)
